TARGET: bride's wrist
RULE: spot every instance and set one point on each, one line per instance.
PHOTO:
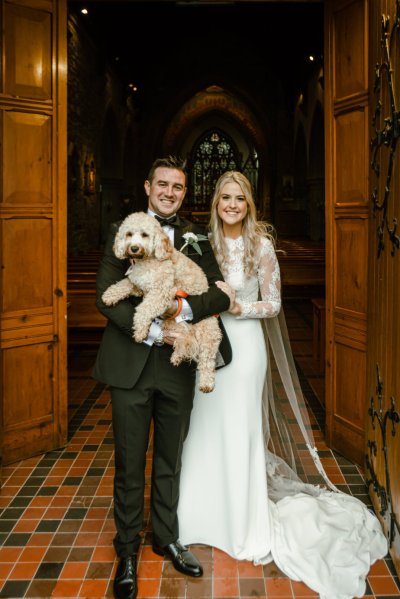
(236, 309)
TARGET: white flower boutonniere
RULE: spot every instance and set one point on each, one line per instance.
(193, 240)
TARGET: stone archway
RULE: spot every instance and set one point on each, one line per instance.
(216, 106)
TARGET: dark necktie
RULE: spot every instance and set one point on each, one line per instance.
(172, 221)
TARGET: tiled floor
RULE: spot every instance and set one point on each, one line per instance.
(56, 527)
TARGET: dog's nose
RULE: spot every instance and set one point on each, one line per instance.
(134, 249)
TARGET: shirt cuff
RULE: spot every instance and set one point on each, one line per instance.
(186, 312)
(154, 331)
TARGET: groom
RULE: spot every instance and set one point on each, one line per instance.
(146, 387)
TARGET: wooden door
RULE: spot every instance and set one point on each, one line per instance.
(33, 227)
(383, 362)
(347, 202)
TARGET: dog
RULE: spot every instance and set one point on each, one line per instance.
(159, 273)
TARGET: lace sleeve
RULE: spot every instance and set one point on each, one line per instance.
(269, 282)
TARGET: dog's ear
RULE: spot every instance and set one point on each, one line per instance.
(119, 244)
(162, 247)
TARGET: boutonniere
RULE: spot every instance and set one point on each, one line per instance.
(193, 240)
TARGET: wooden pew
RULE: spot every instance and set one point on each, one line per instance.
(85, 322)
(302, 265)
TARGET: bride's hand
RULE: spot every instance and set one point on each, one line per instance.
(231, 293)
(236, 309)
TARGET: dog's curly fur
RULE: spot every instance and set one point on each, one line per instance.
(158, 271)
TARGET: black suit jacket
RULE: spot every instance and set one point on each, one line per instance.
(120, 360)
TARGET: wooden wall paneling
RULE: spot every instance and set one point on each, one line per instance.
(382, 445)
(33, 336)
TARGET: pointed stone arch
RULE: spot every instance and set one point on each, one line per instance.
(215, 106)
(214, 99)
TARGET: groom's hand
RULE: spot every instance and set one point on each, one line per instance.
(170, 311)
(171, 336)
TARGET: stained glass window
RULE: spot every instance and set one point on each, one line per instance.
(213, 154)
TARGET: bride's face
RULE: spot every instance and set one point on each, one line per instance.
(232, 205)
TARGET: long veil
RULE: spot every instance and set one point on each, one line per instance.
(322, 536)
(292, 460)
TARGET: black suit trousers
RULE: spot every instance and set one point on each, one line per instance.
(163, 394)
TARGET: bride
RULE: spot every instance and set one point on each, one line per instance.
(249, 458)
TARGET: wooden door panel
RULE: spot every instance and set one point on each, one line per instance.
(27, 250)
(28, 420)
(350, 328)
(27, 170)
(348, 425)
(27, 52)
(351, 265)
(31, 397)
(351, 166)
(346, 185)
(348, 21)
(350, 400)
(20, 327)
(33, 340)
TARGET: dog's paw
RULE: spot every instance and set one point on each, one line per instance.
(206, 388)
(177, 358)
(108, 297)
(139, 336)
(140, 330)
(206, 381)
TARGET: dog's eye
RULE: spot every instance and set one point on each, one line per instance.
(145, 234)
(129, 234)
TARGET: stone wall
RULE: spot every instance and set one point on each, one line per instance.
(101, 129)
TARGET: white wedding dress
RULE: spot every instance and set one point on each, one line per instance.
(324, 538)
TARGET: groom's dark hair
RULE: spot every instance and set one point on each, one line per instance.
(169, 162)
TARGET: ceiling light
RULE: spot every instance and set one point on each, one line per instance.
(84, 11)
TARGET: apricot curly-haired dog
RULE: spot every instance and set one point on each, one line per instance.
(158, 271)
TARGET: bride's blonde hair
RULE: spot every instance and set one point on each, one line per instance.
(252, 229)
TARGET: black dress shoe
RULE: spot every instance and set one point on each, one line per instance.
(125, 586)
(182, 559)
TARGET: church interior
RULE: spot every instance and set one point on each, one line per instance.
(216, 86)
(226, 86)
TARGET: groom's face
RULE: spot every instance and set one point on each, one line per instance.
(166, 191)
